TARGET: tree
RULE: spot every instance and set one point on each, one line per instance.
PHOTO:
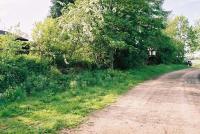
(130, 31)
(57, 7)
(195, 36)
(180, 30)
(111, 30)
(62, 42)
(171, 50)
(104, 32)
(46, 37)
(48, 41)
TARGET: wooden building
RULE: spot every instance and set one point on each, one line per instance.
(25, 49)
(2, 32)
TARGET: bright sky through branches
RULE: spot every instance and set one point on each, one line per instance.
(27, 12)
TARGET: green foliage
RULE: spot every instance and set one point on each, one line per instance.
(61, 80)
(195, 36)
(100, 32)
(58, 6)
(65, 100)
(128, 31)
(9, 45)
(15, 70)
(168, 50)
(180, 30)
(46, 37)
(172, 51)
(11, 75)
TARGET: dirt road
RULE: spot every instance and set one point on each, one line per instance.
(168, 105)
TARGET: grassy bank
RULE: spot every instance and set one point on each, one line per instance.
(49, 111)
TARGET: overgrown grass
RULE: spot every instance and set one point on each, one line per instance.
(48, 111)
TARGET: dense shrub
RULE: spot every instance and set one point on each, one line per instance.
(10, 75)
(17, 70)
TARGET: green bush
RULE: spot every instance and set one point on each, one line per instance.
(11, 75)
(15, 71)
(12, 94)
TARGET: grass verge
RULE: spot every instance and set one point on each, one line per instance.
(49, 112)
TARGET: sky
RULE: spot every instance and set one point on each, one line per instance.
(28, 12)
(188, 8)
(23, 12)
